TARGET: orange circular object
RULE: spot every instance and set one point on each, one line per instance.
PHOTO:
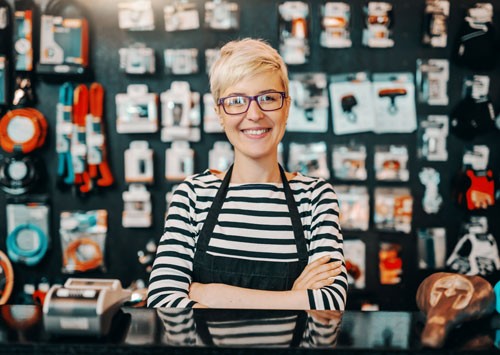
(70, 254)
(8, 271)
(22, 130)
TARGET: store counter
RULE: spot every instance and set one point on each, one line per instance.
(186, 331)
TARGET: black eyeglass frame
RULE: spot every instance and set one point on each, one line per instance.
(220, 102)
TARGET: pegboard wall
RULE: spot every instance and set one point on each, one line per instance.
(259, 19)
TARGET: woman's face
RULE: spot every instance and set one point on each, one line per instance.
(255, 134)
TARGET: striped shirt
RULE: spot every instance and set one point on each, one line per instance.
(254, 224)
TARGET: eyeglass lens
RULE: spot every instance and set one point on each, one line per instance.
(271, 101)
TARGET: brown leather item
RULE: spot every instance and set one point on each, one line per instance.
(449, 299)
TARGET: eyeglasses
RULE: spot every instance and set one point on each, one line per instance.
(239, 104)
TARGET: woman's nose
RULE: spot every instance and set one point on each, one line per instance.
(254, 112)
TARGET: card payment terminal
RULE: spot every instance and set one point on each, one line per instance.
(83, 306)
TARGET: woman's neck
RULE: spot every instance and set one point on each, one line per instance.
(255, 171)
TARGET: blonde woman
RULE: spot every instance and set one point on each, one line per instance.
(254, 236)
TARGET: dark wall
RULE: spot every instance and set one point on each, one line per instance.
(259, 18)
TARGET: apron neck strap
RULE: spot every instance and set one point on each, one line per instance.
(213, 213)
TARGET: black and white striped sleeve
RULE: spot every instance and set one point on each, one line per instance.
(326, 239)
(172, 269)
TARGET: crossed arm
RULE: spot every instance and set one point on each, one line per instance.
(322, 285)
(316, 275)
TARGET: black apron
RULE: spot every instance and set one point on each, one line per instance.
(254, 274)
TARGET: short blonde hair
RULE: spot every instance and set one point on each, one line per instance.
(242, 58)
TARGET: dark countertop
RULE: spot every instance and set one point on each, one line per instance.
(208, 331)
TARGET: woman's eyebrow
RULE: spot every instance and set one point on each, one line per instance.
(244, 94)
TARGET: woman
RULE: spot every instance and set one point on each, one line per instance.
(254, 236)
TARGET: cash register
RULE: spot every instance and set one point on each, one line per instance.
(83, 306)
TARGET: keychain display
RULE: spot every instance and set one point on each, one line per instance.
(335, 24)
(222, 15)
(83, 238)
(476, 253)
(309, 108)
(476, 42)
(351, 96)
(436, 15)
(64, 40)
(211, 121)
(354, 207)
(432, 135)
(137, 59)
(355, 262)
(391, 163)
(432, 81)
(137, 211)
(294, 32)
(137, 110)
(390, 263)
(349, 161)
(377, 32)
(221, 156)
(181, 61)
(431, 248)
(181, 15)
(136, 15)
(393, 209)
(28, 237)
(139, 167)
(181, 115)
(309, 159)
(179, 161)
(474, 115)
(19, 174)
(394, 101)
(22, 130)
(432, 200)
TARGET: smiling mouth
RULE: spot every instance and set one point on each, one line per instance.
(256, 132)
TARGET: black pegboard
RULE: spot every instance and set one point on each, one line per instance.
(259, 18)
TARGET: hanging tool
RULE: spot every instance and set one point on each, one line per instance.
(78, 139)
(98, 166)
(64, 129)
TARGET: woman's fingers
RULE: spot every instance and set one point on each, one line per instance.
(319, 272)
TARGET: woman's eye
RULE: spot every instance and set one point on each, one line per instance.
(237, 100)
(267, 98)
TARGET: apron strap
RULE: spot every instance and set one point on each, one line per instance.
(213, 213)
(298, 230)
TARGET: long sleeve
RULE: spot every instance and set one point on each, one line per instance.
(172, 269)
(326, 238)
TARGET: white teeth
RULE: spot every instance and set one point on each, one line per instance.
(255, 131)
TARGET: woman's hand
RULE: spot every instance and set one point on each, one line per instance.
(318, 274)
